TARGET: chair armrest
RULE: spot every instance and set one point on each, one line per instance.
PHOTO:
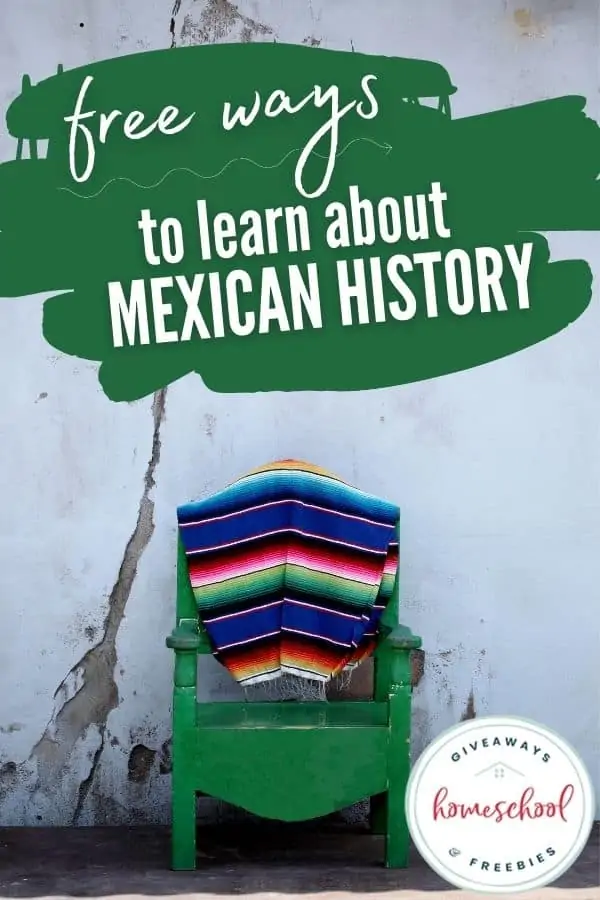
(184, 637)
(402, 638)
(394, 660)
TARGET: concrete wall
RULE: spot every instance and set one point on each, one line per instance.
(497, 470)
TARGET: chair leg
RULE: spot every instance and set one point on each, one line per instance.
(378, 814)
(397, 835)
(183, 833)
(397, 839)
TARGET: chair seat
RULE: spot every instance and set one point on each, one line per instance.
(290, 761)
(292, 715)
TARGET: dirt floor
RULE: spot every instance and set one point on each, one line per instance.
(269, 860)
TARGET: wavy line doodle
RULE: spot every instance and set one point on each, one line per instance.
(148, 187)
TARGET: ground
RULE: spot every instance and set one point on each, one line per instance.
(236, 859)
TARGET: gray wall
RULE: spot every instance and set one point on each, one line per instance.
(497, 469)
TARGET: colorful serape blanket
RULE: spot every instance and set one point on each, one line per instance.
(291, 569)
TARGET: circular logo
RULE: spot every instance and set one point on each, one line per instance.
(499, 804)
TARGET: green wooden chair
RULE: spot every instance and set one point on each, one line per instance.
(291, 761)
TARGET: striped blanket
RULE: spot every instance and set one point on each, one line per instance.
(291, 569)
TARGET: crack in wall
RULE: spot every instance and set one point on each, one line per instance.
(86, 784)
(88, 693)
(174, 13)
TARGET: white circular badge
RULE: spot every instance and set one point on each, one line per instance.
(499, 804)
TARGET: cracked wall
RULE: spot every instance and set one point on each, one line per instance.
(88, 694)
(496, 470)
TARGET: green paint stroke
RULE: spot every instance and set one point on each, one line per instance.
(505, 175)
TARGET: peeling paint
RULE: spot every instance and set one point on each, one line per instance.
(213, 21)
(88, 693)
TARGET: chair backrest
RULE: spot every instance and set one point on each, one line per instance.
(186, 607)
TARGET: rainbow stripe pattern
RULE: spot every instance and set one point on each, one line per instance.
(291, 569)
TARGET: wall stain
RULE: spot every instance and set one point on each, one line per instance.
(88, 693)
(11, 775)
(417, 661)
(210, 423)
(438, 664)
(139, 765)
(165, 757)
(469, 712)
(528, 25)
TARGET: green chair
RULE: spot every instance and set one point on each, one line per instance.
(291, 761)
